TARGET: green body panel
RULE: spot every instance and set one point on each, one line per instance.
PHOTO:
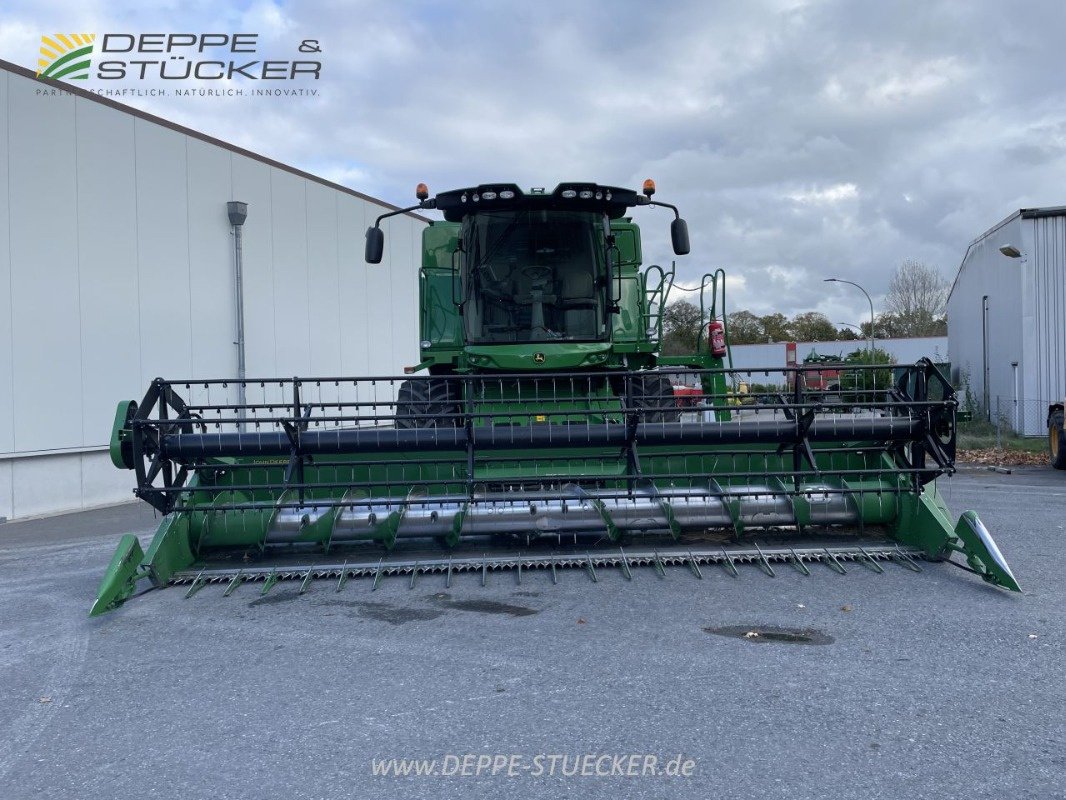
(170, 550)
(545, 356)
(511, 402)
(120, 580)
(121, 456)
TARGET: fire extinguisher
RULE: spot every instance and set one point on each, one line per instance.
(716, 337)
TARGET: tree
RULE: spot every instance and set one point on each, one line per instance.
(775, 328)
(744, 328)
(846, 334)
(862, 385)
(682, 322)
(917, 298)
(811, 326)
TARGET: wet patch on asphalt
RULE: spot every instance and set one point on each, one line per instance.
(444, 600)
(281, 596)
(439, 603)
(771, 634)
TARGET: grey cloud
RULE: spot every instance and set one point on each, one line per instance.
(799, 139)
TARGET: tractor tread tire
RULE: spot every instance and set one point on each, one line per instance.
(1056, 450)
(427, 404)
(653, 398)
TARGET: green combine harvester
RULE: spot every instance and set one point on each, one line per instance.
(542, 430)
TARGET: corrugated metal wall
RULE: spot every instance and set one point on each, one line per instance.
(1048, 269)
(1026, 318)
(987, 272)
(116, 266)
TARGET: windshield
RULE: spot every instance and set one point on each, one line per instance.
(534, 276)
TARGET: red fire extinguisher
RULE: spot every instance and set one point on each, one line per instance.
(716, 337)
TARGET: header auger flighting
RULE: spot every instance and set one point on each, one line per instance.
(542, 432)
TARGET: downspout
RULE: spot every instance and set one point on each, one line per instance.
(984, 357)
(238, 213)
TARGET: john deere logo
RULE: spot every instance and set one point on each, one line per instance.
(538, 358)
(65, 55)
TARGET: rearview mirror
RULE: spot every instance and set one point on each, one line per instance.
(375, 245)
(679, 236)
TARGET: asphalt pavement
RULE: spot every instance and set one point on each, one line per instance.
(865, 685)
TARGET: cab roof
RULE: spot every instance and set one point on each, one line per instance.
(573, 196)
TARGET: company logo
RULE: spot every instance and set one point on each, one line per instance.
(65, 55)
(173, 57)
(538, 358)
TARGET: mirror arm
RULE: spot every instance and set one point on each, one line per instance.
(647, 201)
(427, 204)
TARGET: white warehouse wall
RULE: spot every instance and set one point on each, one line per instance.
(116, 266)
(1026, 322)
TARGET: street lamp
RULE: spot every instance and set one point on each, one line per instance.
(850, 325)
(852, 283)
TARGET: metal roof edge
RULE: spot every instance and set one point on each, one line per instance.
(1045, 211)
(136, 112)
(1009, 218)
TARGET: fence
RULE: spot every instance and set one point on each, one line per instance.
(1008, 417)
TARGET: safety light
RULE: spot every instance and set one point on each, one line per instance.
(422, 192)
(649, 187)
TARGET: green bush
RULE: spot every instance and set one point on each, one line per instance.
(862, 385)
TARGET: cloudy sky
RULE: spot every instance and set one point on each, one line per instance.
(801, 139)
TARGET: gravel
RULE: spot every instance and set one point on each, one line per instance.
(928, 685)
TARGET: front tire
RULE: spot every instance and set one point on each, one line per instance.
(653, 398)
(428, 403)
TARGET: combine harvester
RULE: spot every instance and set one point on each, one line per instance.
(542, 433)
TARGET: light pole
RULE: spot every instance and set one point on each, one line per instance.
(852, 283)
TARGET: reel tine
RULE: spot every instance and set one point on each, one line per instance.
(797, 562)
(414, 575)
(448, 577)
(834, 563)
(694, 566)
(905, 560)
(590, 567)
(197, 584)
(343, 577)
(377, 575)
(306, 581)
(728, 565)
(763, 563)
(659, 566)
(625, 565)
(555, 575)
(235, 581)
(268, 584)
(868, 561)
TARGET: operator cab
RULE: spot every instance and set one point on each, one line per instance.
(532, 276)
(536, 266)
